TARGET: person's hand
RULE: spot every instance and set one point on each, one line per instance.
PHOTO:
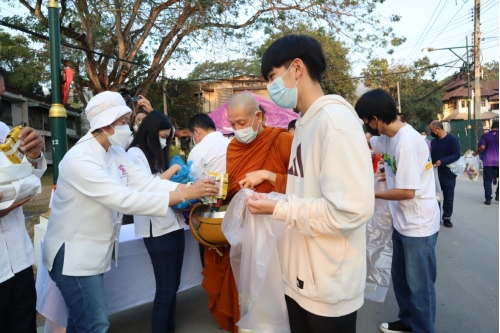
(175, 168)
(32, 142)
(6, 211)
(202, 188)
(381, 177)
(145, 104)
(260, 205)
(474, 154)
(254, 178)
(437, 164)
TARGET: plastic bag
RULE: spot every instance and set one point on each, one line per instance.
(379, 249)
(182, 177)
(255, 242)
(458, 166)
(473, 168)
(439, 192)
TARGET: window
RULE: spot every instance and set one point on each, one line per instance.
(483, 102)
(463, 104)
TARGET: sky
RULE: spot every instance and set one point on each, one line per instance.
(425, 23)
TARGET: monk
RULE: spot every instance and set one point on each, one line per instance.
(257, 158)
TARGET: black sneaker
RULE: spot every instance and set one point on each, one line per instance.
(447, 223)
(496, 197)
(395, 327)
(487, 202)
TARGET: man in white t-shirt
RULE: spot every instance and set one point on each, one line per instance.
(208, 153)
(414, 208)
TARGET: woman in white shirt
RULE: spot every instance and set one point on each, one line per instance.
(163, 236)
(97, 184)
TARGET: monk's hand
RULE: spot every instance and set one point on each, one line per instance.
(260, 206)
(6, 211)
(255, 178)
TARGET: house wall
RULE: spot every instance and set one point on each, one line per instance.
(459, 105)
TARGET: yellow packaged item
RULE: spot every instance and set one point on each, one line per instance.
(11, 146)
(222, 182)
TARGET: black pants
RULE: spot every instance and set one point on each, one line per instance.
(18, 303)
(448, 187)
(302, 321)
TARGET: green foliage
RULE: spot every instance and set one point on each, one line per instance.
(182, 104)
(336, 79)
(210, 70)
(153, 33)
(420, 96)
(490, 70)
(25, 68)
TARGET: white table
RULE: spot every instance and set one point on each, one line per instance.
(130, 284)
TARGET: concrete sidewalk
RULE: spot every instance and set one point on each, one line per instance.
(467, 283)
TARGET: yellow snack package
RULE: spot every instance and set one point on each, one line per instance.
(11, 146)
(222, 182)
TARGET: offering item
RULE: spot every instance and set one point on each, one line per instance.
(473, 173)
(215, 202)
(11, 146)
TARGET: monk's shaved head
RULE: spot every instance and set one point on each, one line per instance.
(436, 124)
(243, 111)
(243, 101)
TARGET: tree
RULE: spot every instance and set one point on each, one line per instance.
(146, 34)
(490, 70)
(24, 68)
(337, 78)
(210, 70)
(420, 97)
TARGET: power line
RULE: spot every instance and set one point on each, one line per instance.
(448, 22)
(43, 37)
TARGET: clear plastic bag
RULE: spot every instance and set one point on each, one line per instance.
(473, 168)
(458, 167)
(255, 241)
(439, 192)
(379, 249)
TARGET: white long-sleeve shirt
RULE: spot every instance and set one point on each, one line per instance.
(16, 249)
(330, 197)
(209, 155)
(95, 187)
(160, 225)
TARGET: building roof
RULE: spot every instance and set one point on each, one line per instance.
(488, 89)
(494, 98)
(40, 101)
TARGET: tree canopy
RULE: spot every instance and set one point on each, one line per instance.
(490, 70)
(24, 68)
(137, 38)
(420, 96)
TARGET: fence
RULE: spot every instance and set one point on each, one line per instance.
(468, 138)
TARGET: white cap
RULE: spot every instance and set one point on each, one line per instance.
(104, 108)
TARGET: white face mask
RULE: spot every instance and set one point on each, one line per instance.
(163, 142)
(246, 135)
(135, 128)
(121, 136)
(424, 136)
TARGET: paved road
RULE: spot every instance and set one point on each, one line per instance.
(467, 283)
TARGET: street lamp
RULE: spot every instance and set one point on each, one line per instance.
(57, 112)
(430, 49)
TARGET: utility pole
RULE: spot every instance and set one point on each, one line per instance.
(164, 89)
(57, 112)
(477, 61)
(399, 98)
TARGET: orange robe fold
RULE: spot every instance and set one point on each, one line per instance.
(269, 151)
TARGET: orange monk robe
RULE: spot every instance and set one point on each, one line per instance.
(269, 151)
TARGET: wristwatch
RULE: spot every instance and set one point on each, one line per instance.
(34, 160)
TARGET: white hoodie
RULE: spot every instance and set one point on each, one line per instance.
(330, 198)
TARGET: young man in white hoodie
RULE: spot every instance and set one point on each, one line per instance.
(413, 204)
(329, 193)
